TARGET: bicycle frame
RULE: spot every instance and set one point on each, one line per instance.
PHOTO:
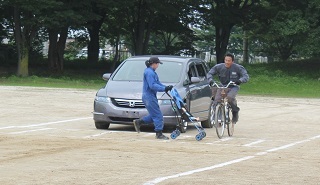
(222, 111)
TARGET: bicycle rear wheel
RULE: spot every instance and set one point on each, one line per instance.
(220, 120)
(230, 125)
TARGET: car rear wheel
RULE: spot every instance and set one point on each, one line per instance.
(102, 125)
(209, 123)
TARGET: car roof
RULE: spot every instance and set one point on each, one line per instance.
(164, 57)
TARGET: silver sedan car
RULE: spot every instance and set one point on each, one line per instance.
(120, 101)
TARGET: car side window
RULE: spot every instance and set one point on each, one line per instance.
(192, 72)
(201, 71)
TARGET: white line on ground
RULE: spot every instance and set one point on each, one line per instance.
(226, 139)
(255, 142)
(97, 135)
(26, 131)
(109, 132)
(315, 137)
(148, 134)
(48, 123)
(220, 140)
(287, 146)
(160, 179)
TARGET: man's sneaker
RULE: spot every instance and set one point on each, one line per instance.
(235, 117)
(137, 123)
(159, 135)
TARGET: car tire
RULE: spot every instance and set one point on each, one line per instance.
(102, 125)
(184, 126)
(209, 123)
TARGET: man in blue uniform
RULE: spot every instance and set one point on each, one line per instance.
(152, 85)
(229, 71)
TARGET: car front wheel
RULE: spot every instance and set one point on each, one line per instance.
(102, 125)
(209, 123)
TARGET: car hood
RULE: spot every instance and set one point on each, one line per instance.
(127, 90)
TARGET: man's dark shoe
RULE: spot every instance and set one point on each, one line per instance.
(235, 117)
(159, 135)
(137, 123)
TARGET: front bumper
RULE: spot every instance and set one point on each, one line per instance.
(108, 112)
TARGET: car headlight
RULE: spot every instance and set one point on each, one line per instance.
(104, 99)
(164, 102)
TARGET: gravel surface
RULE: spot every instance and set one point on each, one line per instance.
(47, 136)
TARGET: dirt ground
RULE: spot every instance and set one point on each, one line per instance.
(47, 136)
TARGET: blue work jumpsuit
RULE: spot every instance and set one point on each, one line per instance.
(152, 85)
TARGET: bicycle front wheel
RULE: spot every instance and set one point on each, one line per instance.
(220, 120)
(230, 125)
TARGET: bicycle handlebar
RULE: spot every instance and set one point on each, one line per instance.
(222, 86)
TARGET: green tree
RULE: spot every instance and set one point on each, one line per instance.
(281, 27)
(224, 15)
(140, 16)
(27, 17)
(25, 27)
(172, 33)
(311, 43)
(288, 29)
(161, 20)
(113, 30)
(57, 21)
(3, 32)
(98, 10)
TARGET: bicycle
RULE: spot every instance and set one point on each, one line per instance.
(222, 118)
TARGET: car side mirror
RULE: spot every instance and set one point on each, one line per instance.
(106, 76)
(195, 80)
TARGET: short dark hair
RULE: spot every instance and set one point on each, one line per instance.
(229, 55)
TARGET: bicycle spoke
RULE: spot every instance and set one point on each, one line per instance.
(219, 120)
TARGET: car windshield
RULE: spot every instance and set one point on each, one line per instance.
(132, 70)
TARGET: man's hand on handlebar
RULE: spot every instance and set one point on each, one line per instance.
(238, 82)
